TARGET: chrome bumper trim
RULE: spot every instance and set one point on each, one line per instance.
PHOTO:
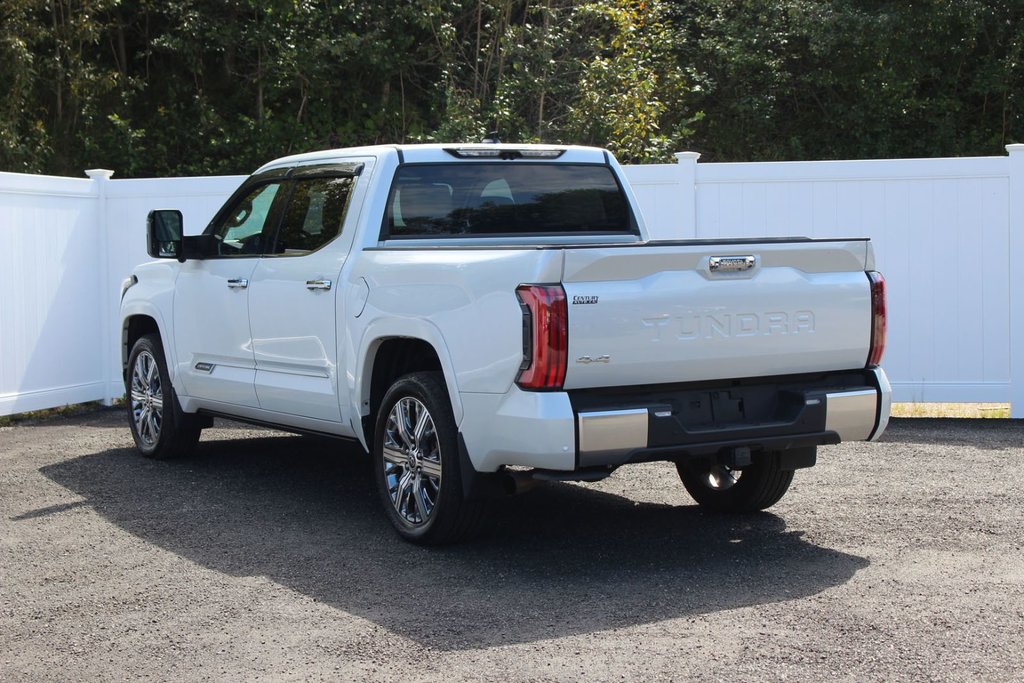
(606, 437)
(852, 414)
(884, 404)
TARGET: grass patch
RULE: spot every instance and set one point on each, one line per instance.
(975, 410)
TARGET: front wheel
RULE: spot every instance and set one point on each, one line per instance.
(416, 463)
(717, 487)
(160, 429)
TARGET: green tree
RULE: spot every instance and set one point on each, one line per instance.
(598, 73)
(633, 94)
(811, 79)
(219, 86)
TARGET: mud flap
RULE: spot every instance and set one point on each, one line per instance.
(477, 485)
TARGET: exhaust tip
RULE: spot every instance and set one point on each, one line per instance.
(518, 482)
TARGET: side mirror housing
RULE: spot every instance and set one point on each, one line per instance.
(164, 228)
(164, 238)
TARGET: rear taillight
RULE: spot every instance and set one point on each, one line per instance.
(545, 337)
(877, 317)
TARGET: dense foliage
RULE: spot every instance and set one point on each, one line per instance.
(831, 79)
(218, 86)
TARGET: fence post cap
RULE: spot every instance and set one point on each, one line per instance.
(1016, 147)
(99, 173)
(683, 157)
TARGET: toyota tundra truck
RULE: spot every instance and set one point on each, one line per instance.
(480, 317)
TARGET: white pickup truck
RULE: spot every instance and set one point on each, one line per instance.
(479, 317)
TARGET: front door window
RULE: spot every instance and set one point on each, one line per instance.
(245, 228)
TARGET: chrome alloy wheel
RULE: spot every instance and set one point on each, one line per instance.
(721, 478)
(147, 399)
(412, 461)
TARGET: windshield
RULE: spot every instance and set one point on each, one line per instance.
(506, 198)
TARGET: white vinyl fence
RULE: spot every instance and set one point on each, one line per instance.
(946, 232)
(66, 244)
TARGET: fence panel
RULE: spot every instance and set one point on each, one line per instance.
(49, 293)
(66, 244)
(940, 229)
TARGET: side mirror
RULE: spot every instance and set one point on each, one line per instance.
(164, 233)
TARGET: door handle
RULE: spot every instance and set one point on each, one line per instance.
(238, 283)
(318, 284)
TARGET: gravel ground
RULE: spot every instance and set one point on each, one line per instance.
(265, 557)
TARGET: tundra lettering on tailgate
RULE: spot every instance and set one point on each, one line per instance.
(708, 325)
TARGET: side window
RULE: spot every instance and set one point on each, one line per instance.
(315, 215)
(245, 229)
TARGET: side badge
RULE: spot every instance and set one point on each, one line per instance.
(576, 300)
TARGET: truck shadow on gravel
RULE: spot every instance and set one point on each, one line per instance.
(561, 560)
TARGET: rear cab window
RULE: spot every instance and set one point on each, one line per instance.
(506, 199)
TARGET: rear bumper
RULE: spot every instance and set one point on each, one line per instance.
(775, 414)
(572, 431)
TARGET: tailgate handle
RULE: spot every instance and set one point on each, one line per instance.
(730, 264)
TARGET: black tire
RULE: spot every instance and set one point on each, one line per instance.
(424, 508)
(750, 489)
(160, 429)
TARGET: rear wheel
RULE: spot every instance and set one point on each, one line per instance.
(416, 463)
(756, 486)
(160, 429)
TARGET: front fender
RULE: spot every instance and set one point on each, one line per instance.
(152, 296)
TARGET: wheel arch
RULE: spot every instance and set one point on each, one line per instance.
(388, 356)
(138, 321)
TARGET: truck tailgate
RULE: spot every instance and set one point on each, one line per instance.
(682, 312)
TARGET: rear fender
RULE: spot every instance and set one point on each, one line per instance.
(378, 332)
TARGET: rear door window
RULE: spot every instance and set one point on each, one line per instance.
(315, 215)
(505, 199)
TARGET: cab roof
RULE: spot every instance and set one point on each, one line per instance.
(451, 152)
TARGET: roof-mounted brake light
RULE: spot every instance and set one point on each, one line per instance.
(541, 153)
(507, 154)
(474, 153)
